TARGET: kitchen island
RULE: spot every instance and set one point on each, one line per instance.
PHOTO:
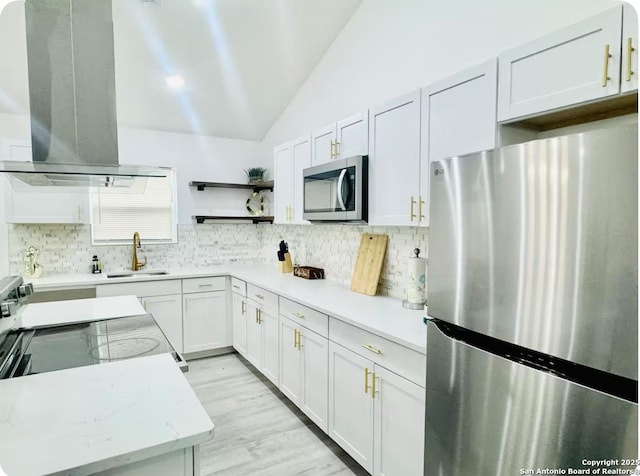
(135, 417)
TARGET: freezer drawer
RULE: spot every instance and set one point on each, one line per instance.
(487, 415)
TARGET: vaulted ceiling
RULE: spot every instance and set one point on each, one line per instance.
(242, 61)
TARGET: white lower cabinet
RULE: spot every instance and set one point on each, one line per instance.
(175, 463)
(398, 425)
(304, 370)
(239, 318)
(205, 321)
(375, 415)
(167, 311)
(262, 339)
(162, 299)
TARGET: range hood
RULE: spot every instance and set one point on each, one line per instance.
(74, 136)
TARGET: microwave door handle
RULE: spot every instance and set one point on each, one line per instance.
(340, 181)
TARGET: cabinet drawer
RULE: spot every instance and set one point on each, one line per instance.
(262, 296)
(408, 363)
(305, 316)
(201, 285)
(140, 289)
(238, 286)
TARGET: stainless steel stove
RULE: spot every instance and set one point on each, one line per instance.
(31, 351)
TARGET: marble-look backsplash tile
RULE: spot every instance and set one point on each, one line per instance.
(68, 249)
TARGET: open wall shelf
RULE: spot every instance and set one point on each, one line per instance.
(256, 187)
(253, 219)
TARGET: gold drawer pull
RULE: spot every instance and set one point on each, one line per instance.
(297, 314)
(630, 49)
(373, 390)
(244, 307)
(411, 214)
(259, 296)
(372, 349)
(366, 380)
(605, 71)
(295, 338)
(235, 286)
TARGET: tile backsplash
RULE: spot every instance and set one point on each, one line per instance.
(68, 249)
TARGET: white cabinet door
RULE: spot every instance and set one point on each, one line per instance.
(394, 166)
(254, 335)
(290, 360)
(27, 204)
(239, 316)
(398, 425)
(350, 404)
(629, 49)
(353, 135)
(269, 323)
(283, 184)
(205, 321)
(314, 388)
(323, 147)
(458, 117)
(301, 156)
(566, 67)
(167, 311)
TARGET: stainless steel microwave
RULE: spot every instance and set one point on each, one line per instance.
(337, 190)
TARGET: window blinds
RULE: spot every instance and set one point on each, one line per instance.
(147, 207)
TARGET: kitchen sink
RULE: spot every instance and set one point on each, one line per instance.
(130, 274)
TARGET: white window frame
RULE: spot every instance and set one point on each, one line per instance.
(144, 240)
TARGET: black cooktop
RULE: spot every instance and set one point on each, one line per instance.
(26, 352)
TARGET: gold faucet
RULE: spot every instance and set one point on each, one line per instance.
(135, 264)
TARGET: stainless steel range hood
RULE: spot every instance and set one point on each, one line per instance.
(72, 97)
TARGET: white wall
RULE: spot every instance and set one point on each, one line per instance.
(199, 158)
(392, 47)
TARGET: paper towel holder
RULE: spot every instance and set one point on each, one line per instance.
(409, 304)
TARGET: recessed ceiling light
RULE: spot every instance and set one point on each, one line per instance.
(175, 81)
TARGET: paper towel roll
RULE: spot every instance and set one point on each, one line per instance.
(416, 291)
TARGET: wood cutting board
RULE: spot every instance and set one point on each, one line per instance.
(366, 273)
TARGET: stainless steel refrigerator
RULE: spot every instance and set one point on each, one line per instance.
(532, 336)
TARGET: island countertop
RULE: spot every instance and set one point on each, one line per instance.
(89, 419)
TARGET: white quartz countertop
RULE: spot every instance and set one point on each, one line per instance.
(79, 310)
(381, 315)
(89, 419)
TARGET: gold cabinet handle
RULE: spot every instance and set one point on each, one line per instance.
(412, 215)
(337, 149)
(366, 380)
(295, 338)
(373, 388)
(605, 72)
(372, 349)
(297, 314)
(333, 149)
(299, 340)
(630, 49)
(244, 307)
(259, 296)
(420, 203)
(259, 316)
(80, 210)
(235, 286)
(257, 322)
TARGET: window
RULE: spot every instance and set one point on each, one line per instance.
(147, 206)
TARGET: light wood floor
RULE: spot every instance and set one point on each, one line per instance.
(257, 429)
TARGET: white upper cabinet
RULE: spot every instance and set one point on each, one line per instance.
(394, 165)
(27, 204)
(323, 144)
(301, 157)
(459, 113)
(569, 66)
(289, 161)
(353, 135)
(283, 184)
(458, 117)
(629, 81)
(341, 139)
